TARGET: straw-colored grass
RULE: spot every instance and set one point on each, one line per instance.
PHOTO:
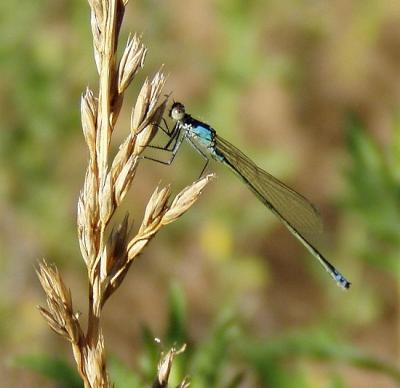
(109, 254)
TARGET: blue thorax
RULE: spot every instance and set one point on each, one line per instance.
(202, 136)
(203, 133)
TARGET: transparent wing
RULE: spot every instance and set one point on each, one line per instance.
(286, 203)
(295, 211)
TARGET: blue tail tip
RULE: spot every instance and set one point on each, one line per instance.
(342, 281)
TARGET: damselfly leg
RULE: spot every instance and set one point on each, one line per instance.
(202, 154)
(172, 146)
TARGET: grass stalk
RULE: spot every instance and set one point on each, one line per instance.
(108, 255)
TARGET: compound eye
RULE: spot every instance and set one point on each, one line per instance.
(178, 112)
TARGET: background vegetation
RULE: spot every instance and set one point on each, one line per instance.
(310, 90)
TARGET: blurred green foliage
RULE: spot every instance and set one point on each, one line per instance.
(51, 367)
(277, 78)
(227, 358)
(374, 194)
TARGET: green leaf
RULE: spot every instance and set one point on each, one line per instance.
(213, 355)
(176, 331)
(151, 353)
(268, 355)
(54, 368)
(374, 195)
(122, 376)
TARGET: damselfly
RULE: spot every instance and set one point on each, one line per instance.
(296, 212)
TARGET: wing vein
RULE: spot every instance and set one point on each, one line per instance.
(289, 205)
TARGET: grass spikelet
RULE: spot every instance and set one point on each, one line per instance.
(108, 255)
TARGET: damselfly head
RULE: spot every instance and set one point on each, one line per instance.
(177, 111)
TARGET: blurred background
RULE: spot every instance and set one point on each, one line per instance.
(310, 90)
